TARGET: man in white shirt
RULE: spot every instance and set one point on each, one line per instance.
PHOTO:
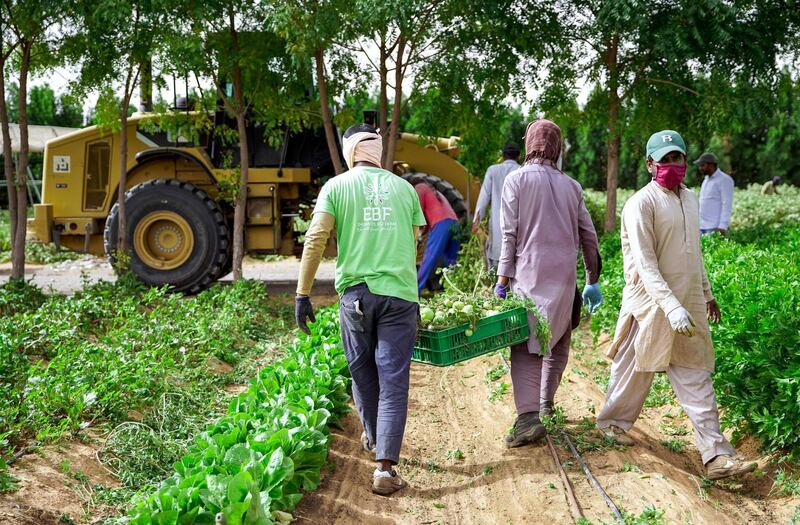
(491, 193)
(716, 195)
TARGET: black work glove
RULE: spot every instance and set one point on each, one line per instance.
(303, 311)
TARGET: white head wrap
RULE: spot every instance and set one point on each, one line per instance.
(362, 146)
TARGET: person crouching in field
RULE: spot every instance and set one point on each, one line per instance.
(377, 216)
(662, 323)
(771, 186)
(544, 222)
(442, 223)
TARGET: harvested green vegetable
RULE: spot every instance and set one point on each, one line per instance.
(448, 310)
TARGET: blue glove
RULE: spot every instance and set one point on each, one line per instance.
(500, 290)
(592, 297)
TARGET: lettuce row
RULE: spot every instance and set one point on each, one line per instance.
(253, 464)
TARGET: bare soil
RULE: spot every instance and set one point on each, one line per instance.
(449, 410)
(49, 491)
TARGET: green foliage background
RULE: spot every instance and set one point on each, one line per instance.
(753, 129)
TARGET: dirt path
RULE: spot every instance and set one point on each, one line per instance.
(449, 410)
(67, 277)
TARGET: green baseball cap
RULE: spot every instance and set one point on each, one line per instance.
(663, 142)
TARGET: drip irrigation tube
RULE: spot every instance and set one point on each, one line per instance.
(592, 480)
(574, 508)
(565, 480)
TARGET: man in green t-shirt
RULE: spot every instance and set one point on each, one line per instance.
(377, 216)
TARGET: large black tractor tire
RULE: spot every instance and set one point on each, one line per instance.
(177, 235)
(453, 196)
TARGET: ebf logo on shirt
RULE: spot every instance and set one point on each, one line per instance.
(377, 195)
(377, 214)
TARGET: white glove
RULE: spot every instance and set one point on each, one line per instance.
(681, 321)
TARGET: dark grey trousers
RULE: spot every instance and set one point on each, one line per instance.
(378, 334)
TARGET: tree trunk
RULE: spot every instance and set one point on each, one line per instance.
(8, 161)
(122, 236)
(612, 166)
(327, 122)
(146, 87)
(240, 202)
(18, 248)
(383, 98)
(388, 162)
(134, 70)
(612, 169)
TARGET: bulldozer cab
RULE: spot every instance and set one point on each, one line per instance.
(305, 148)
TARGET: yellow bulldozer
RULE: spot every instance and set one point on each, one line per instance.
(179, 220)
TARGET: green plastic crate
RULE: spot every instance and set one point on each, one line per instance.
(450, 346)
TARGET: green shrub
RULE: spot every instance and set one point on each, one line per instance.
(113, 348)
(612, 281)
(596, 204)
(19, 296)
(754, 213)
(757, 374)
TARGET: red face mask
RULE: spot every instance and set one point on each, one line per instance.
(669, 175)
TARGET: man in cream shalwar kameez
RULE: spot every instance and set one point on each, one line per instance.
(662, 324)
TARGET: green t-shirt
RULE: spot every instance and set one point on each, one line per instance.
(375, 212)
